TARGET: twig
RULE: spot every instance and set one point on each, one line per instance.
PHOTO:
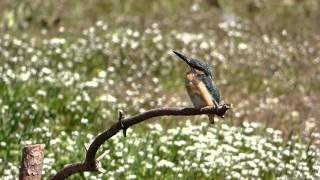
(92, 164)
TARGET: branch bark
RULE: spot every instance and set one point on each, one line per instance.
(91, 163)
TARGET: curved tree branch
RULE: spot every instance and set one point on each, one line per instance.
(92, 163)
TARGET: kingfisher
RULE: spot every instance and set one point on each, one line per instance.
(200, 84)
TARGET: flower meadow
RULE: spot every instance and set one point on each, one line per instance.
(196, 151)
(61, 85)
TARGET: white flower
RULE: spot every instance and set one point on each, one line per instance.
(132, 176)
(41, 93)
(91, 84)
(204, 45)
(34, 106)
(148, 165)
(180, 143)
(108, 98)
(102, 74)
(242, 46)
(57, 41)
(165, 163)
(84, 121)
(25, 75)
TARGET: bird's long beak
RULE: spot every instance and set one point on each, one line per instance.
(184, 58)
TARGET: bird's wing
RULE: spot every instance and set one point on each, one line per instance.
(205, 94)
(212, 89)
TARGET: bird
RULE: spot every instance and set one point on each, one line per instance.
(200, 84)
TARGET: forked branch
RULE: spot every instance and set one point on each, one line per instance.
(91, 163)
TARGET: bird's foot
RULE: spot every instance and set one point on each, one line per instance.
(220, 110)
(208, 107)
(211, 118)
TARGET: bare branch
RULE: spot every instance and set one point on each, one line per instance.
(92, 163)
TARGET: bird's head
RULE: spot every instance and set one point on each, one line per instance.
(196, 66)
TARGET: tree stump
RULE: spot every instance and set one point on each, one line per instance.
(32, 162)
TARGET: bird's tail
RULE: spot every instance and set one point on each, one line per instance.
(211, 118)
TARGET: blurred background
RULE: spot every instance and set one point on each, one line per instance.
(67, 67)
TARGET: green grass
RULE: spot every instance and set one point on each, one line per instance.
(60, 84)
